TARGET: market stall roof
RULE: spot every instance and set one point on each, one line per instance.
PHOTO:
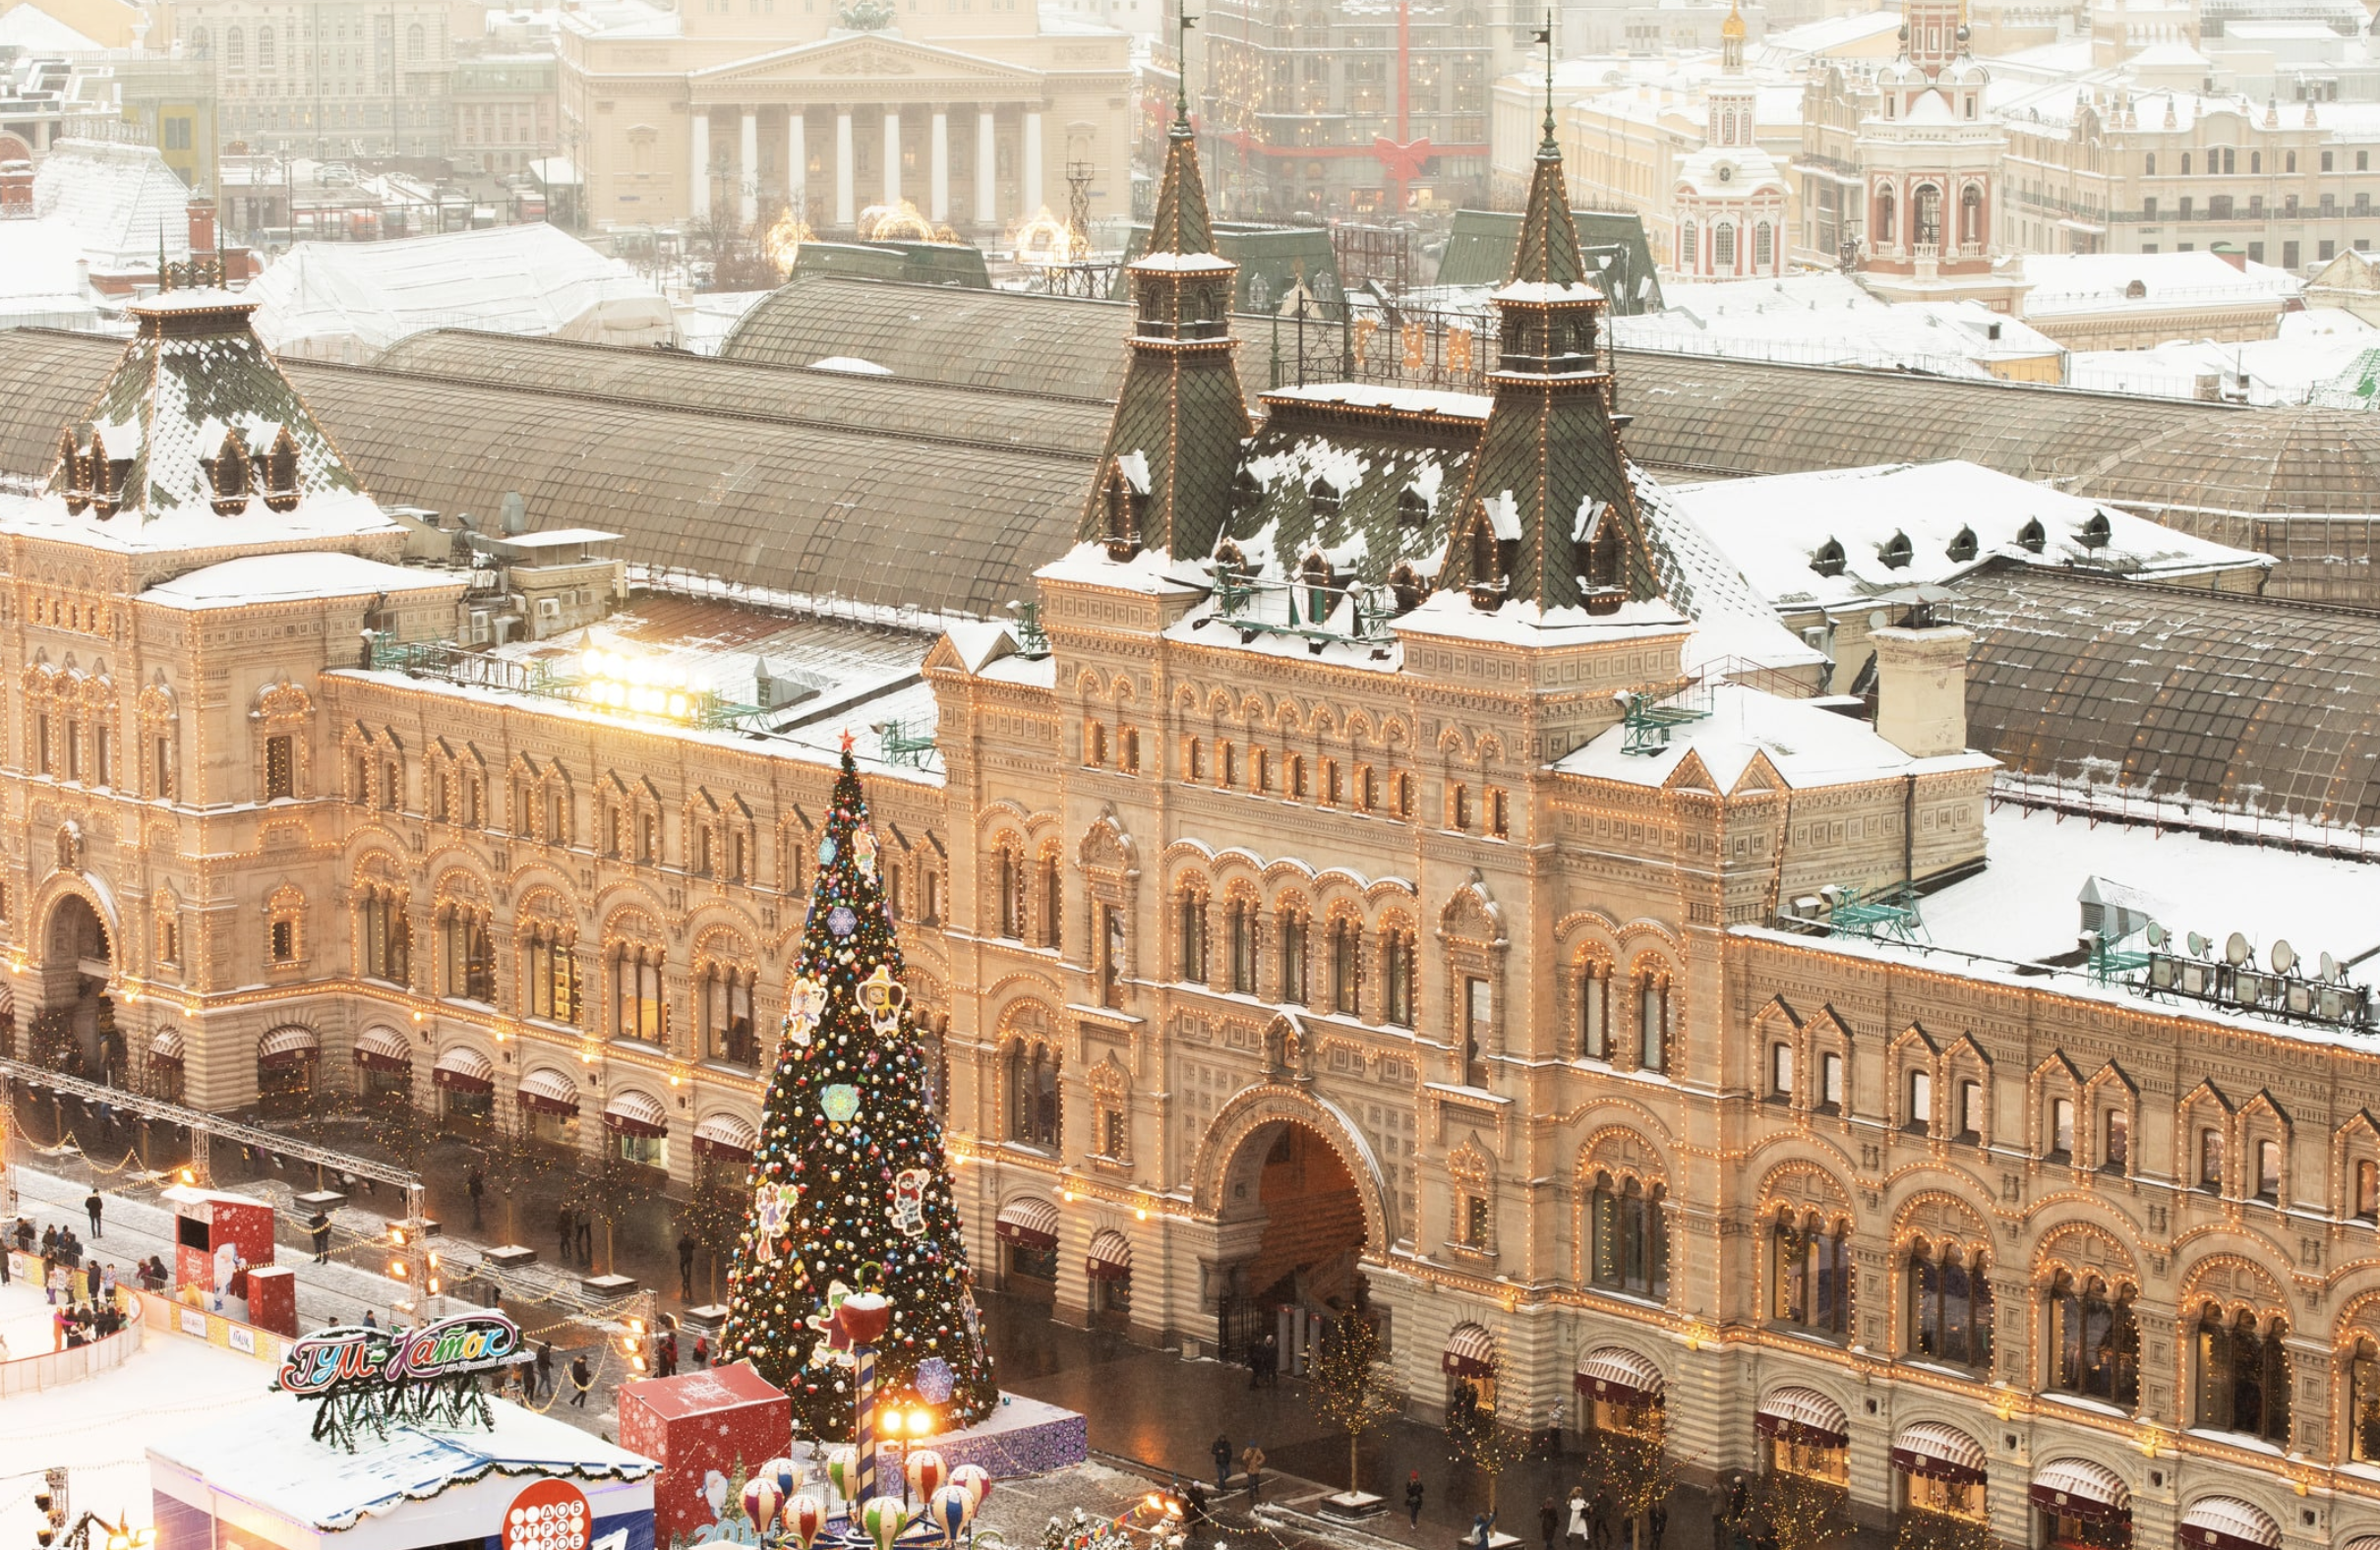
(271, 1464)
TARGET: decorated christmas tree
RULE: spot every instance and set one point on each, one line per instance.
(849, 1190)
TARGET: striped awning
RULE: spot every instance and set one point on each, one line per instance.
(288, 1047)
(726, 1136)
(549, 1089)
(382, 1049)
(1030, 1222)
(1803, 1416)
(464, 1070)
(1110, 1256)
(166, 1047)
(1938, 1451)
(2081, 1488)
(1616, 1375)
(1470, 1352)
(2226, 1523)
(637, 1114)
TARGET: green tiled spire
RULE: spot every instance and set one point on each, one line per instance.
(1164, 482)
(1549, 517)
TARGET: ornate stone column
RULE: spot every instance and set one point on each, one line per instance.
(843, 165)
(938, 188)
(987, 166)
(748, 168)
(797, 160)
(892, 154)
(698, 199)
(1035, 199)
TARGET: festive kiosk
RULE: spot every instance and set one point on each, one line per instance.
(389, 1443)
(221, 1242)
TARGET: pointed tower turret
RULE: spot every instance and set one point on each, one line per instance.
(1164, 482)
(1549, 517)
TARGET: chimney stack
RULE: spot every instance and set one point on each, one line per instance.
(202, 230)
(1921, 681)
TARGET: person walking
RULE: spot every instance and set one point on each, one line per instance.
(564, 1231)
(544, 1366)
(1659, 1519)
(587, 1240)
(702, 1351)
(1413, 1497)
(581, 1380)
(685, 1263)
(1549, 1522)
(318, 1225)
(1577, 1533)
(1252, 1465)
(667, 1350)
(475, 1184)
(1194, 1499)
(1220, 1452)
(1271, 1367)
(91, 1207)
(1599, 1523)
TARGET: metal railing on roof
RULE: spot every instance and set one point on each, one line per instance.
(1316, 612)
(449, 663)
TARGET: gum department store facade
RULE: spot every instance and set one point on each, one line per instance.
(1301, 952)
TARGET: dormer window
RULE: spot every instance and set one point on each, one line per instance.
(1411, 510)
(2096, 531)
(1245, 490)
(105, 494)
(1405, 585)
(1896, 553)
(1828, 561)
(73, 473)
(2032, 536)
(227, 472)
(1963, 547)
(1120, 514)
(1598, 555)
(280, 473)
(1322, 499)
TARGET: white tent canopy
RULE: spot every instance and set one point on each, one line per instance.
(348, 301)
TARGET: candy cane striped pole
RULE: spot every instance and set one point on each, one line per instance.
(864, 1483)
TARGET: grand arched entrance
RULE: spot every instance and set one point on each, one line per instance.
(1293, 1230)
(76, 1028)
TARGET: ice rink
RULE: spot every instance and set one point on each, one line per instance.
(100, 1427)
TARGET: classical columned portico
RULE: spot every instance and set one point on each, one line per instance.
(981, 163)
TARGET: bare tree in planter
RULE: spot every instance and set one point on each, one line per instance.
(1351, 1387)
(1477, 1438)
(1635, 1466)
(1801, 1511)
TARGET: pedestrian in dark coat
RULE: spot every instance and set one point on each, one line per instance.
(91, 1207)
(1413, 1495)
(1220, 1452)
(580, 1379)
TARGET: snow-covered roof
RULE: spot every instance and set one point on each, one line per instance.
(2089, 282)
(1808, 745)
(270, 1464)
(1717, 171)
(1774, 529)
(1827, 318)
(33, 30)
(295, 576)
(1798, 45)
(123, 199)
(1377, 395)
(2310, 352)
(39, 283)
(351, 300)
(2022, 905)
(193, 383)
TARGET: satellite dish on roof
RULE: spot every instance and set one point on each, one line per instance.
(2198, 945)
(2236, 950)
(2157, 935)
(2283, 956)
(2330, 967)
